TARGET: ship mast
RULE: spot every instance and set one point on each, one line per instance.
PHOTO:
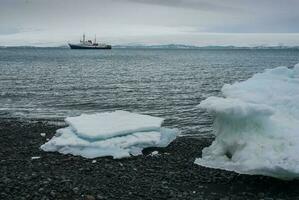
(95, 38)
(83, 37)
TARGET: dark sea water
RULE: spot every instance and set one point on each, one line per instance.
(52, 83)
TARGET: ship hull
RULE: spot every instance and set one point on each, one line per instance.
(76, 46)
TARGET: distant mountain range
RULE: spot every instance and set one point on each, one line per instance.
(182, 46)
(166, 46)
(174, 46)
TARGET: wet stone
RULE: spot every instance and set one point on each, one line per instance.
(174, 176)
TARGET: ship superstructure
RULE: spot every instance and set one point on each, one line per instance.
(89, 44)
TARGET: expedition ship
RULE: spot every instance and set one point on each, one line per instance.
(89, 44)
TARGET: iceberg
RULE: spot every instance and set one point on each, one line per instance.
(118, 134)
(256, 125)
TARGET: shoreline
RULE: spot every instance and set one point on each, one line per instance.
(171, 174)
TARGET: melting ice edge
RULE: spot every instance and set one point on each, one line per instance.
(256, 125)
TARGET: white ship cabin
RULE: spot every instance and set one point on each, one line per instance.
(89, 42)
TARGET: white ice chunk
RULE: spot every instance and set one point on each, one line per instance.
(118, 147)
(154, 153)
(118, 134)
(235, 107)
(256, 125)
(111, 124)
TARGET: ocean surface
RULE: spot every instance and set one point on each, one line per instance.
(52, 83)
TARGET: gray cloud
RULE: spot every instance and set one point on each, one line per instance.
(128, 20)
(189, 4)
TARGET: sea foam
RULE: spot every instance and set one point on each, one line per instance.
(118, 134)
(256, 125)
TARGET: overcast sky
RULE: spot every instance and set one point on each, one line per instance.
(196, 22)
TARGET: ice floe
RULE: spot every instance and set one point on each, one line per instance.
(256, 125)
(111, 124)
(118, 134)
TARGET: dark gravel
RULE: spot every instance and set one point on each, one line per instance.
(170, 175)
